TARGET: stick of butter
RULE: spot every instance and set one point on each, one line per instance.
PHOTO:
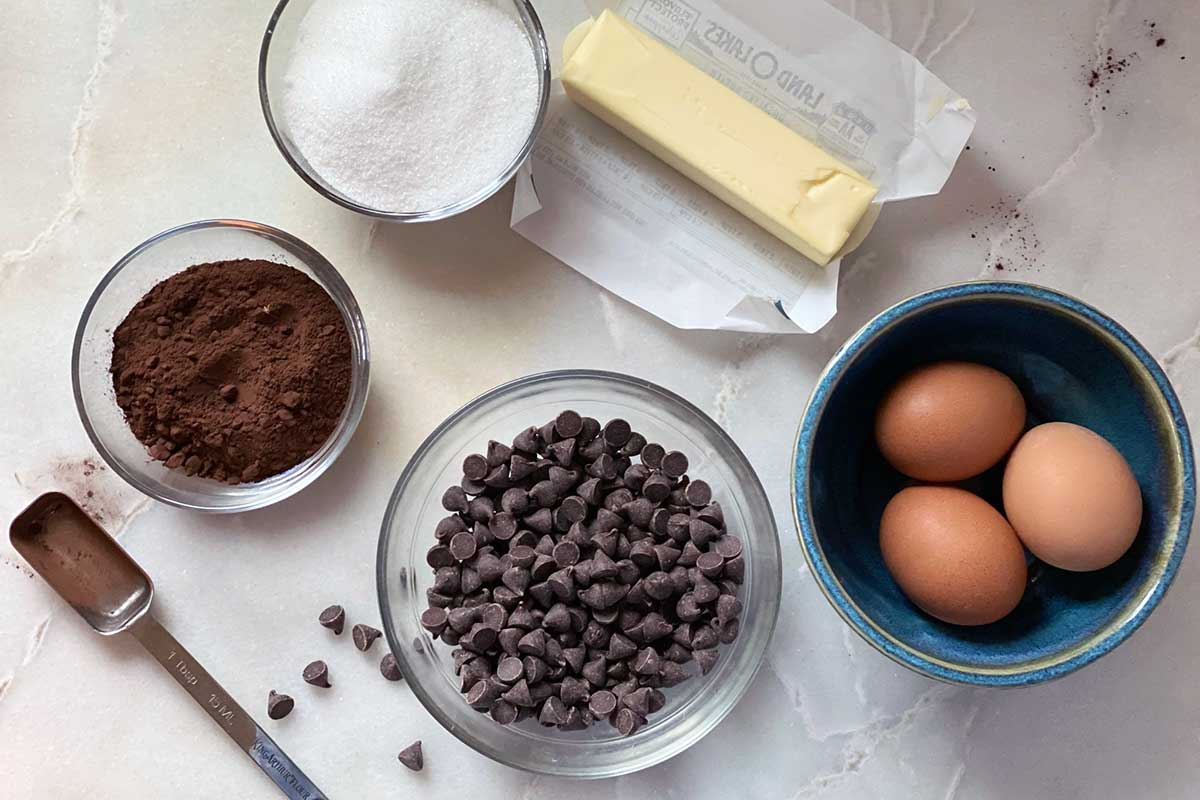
(744, 156)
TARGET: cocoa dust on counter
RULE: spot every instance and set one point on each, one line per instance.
(233, 370)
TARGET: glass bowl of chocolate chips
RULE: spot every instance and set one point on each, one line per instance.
(579, 573)
(221, 366)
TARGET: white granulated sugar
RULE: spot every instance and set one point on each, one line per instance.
(410, 105)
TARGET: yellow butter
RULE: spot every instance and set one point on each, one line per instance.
(744, 156)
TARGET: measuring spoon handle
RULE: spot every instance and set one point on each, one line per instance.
(223, 709)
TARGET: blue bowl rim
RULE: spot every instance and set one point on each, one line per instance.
(814, 556)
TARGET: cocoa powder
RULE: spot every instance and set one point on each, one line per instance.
(234, 370)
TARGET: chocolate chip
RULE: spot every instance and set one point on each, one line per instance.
(633, 445)
(704, 591)
(454, 499)
(603, 594)
(279, 705)
(553, 712)
(704, 637)
(642, 554)
(639, 512)
(706, 659)
(729, 631)
(710, 564)
(482, 695)
(533, 643)
(463, 546)
(509, 638)
(602, 703)
(494, 616)
(735, 569)
(317, 674)
(510, 669)
(412, 757)
(620, 647)
(698, 493)
(333, 618)
(573, 691)
(626, 722)
(481, 509)
(672, 674)
(475, 467)
(729, 546)
(562, 452)
(596, 671)
(678, 653)
(449, 526)
(647, 662)
(687, 609)
(480, 638)
(503, 712)
(498, 454)
(439, 556)
(701, 532)
(557, 620)
(568, 424)
(541, 521)
(674, 464)
(519, 694)
(365, 636)
(517, 579)
(498, 478)
(713, 515)
(390, 668)
(655, 627)
(526, 441)
(656, 488)
(591, 492)
(535, 669)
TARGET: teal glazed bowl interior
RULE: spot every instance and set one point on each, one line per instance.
(1073, 364)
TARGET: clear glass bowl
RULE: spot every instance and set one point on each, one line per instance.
(135, 274)
(693, 707)
(277, 45)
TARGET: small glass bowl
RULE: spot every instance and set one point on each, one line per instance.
(277, 45)
(693, 707)
(148, 264)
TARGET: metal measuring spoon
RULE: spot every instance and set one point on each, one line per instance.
(112, 593)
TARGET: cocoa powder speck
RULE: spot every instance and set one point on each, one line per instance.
(234, 370)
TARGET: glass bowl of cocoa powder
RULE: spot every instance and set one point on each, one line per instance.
(221, 366)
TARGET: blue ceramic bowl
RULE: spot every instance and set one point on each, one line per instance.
(1073, 364)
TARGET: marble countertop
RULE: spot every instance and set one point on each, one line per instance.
(121, 118)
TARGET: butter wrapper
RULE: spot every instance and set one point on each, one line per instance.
(632, 224)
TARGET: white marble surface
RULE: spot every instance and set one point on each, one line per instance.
(119, 118)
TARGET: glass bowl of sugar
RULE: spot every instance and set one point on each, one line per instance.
(405, 110)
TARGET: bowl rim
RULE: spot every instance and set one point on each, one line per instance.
(532, 24)
(670, 748)
(360, 353)
(1046, 668)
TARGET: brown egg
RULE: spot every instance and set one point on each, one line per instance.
(1072, 497)
(949, 421)
(952, 554)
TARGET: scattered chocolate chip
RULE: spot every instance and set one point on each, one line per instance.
(279, 705)
(333, 618)
(412, 757)
(390, 668)
(674, 464)
(365, 636)
(317, 674)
